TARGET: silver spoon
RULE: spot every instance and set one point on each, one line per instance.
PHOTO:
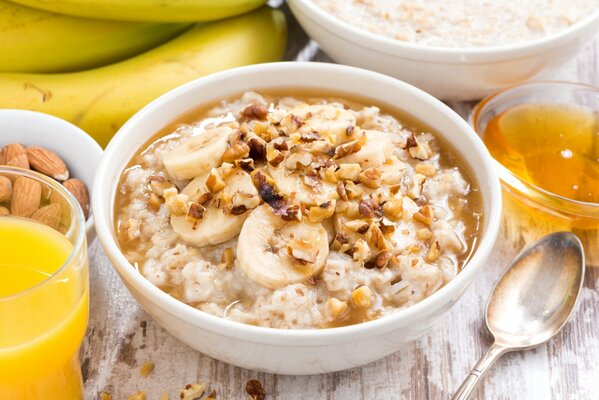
(532, 301)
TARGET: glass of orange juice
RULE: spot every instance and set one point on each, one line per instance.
(44, 288)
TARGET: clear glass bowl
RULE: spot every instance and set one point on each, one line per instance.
(534, 209)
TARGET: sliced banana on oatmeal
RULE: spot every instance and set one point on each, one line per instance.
(328, 121)
(214, 218)
(377, 148)
(307, 189)
(275, 253)
(197, 155)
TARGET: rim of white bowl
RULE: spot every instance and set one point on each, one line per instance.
(458, 55)
(105, 186)
(72, 130)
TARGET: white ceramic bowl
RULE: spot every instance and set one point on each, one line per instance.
(293, 351)
(446, 73)
(78, 150)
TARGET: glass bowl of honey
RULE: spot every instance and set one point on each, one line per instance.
(544, 137)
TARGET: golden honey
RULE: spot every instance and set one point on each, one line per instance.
(552, 146)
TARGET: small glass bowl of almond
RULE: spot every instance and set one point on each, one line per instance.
(54, 148)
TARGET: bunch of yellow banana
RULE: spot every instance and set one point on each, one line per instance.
(101, 98)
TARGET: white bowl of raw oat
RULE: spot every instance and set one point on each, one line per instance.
(456, 49)
(277, 218)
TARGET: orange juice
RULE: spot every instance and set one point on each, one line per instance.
(43, 312)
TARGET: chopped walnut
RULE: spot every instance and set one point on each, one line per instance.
(192, 391)
(371, 178)
(353, 191)
(424, 215)
(426, 169)
(416, 188)
(361, 251)
(246, 164)
(375, 237)
(243, 201)
(105, 396)
(298, 160)
(236, 151)
(255, 111)
(419, 149)
(357, 225)
(369, 208)
(195, 211)
(159, 184)
(341, 191)
(434, 251)
(274, 156)
(321, 212)
(154, 202)
(340, 243)
(303, 251)
(382, 259)
(257, 148)
(386, 227)
(348, 148)
(328, 173)
(255, 390)
(176, 203)
(336, 307)
(361, 297)
(215, 181)
(350, 171)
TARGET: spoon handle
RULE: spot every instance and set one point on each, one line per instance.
(466, 388)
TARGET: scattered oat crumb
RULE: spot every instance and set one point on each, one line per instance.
(138, 396)
(146, 369)
(212, 395)
(164, 396)
(105, 396)
(193, 391)
(254, 388)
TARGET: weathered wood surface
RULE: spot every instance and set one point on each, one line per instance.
(122, 337)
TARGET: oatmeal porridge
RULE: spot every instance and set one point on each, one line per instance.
(461, 23)
(297, 212)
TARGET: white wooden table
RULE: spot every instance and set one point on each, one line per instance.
(122, 337)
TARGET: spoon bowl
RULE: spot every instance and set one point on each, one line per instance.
(532, 301)
(534, 298)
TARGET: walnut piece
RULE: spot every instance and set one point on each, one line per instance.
(255, 390)
(361, 297)
(192, 391)
(303, 251)
(176, 203)
(336, 307)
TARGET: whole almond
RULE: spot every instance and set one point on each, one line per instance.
(15, 155)
(78, 189)
(47, 162)
(5, 188)
(26, 194)
(4, 211)
(48, 215)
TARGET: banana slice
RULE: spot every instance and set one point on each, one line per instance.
(275, 253)
(377, 149)
(197, 155)
(221, 219)
(328, 121)
(292, 185)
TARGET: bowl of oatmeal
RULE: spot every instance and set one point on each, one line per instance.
(455, 50)
(290, 211)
